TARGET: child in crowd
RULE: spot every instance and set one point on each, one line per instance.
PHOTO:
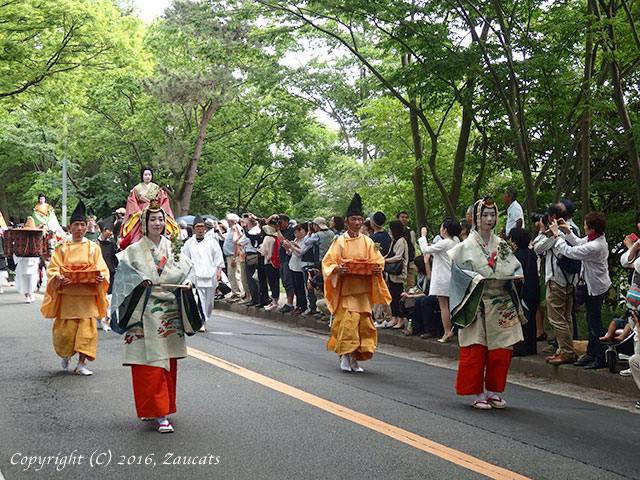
(617, 324)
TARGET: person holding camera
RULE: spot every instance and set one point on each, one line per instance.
(269, 251)
(250, 242)
(296, 264)
(285, 233)
(231, 250)
(560, 285)
(593, 252)
(441, 273)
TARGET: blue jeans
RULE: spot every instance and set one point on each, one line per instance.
(595, 348)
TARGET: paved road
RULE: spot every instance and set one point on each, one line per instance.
(237, 422)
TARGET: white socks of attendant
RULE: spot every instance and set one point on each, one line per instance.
(345, 363)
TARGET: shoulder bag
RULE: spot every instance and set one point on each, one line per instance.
(393, 268)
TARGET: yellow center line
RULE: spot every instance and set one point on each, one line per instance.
(449, 454)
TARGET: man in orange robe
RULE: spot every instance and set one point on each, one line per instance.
(75, 306)
(350, 294)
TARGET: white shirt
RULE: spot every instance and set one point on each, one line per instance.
(441, 271)
(594, 255)
(295, 263)
(514, 213)
(545, 245)
(246, 241)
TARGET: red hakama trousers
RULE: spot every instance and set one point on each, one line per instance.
(480, 367)
(154, 389)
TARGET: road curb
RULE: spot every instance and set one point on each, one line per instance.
(532, 365)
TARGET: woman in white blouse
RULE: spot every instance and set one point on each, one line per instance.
(441, 270)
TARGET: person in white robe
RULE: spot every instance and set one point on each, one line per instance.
(205, 253)
(26, 276)
(27, 269)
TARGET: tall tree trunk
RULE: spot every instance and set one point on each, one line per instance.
(417, 177)
(363, 95)
(510, 98)
(187, 191)
(611, 46)
(463, 142)
(585, 121)
(483, 165)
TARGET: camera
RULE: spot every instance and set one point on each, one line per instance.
(540, 216)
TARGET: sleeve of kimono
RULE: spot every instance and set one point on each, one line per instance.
(50, 303)
(99, 262)
(163, 199)
(53, 270)
(133, 204)
(380, 290)
(101, 288)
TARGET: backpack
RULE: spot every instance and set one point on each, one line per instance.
(569, 266)
(275, 258)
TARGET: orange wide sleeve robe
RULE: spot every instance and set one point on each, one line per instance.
(75, 306)
(350, 298)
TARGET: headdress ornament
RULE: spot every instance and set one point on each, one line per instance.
(484, 203)
(153, 207)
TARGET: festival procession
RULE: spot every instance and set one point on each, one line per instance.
(245, 240)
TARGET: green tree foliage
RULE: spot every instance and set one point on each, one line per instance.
(435, 103)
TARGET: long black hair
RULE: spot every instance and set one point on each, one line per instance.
(397, 229)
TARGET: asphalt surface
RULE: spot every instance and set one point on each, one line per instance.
(235, 428)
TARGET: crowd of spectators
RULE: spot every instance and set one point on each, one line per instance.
(561, 268)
